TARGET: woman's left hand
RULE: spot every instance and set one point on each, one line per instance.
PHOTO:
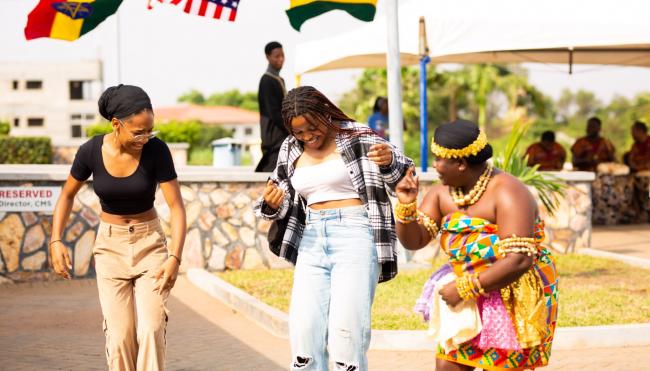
(166, 275)
(450, 295)
(381, 154)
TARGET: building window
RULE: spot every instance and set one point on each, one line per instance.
(33, 84)
(16, 122)
(76, 131)
(15, 84)
(248, 131)
(35, 122)
(80, 90)
(78, 121)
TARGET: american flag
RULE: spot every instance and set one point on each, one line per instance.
(207, 8)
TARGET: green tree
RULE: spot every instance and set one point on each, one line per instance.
(234, 98)
(466, 93)
(586, 103)
(193, 96)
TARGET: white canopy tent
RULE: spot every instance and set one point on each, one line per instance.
(502, 31)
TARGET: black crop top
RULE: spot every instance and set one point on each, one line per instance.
(132, 194)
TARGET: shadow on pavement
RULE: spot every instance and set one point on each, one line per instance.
(57, 325)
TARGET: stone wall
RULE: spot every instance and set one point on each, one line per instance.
(222, 230)
(621, 199)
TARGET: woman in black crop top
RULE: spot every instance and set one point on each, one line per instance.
(135, 268)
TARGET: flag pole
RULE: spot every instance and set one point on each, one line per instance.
(118, 46)
(393, 67)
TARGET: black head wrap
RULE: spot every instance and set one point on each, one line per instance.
(123, 101)
(459, 134)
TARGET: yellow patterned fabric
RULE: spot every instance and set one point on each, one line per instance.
(524, 300)
(518, 320)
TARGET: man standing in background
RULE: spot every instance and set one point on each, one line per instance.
(270, 94)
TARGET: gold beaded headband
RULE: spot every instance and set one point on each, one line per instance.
(475, 147)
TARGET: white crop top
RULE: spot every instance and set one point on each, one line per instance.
(326, 181)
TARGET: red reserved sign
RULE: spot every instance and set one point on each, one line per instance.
(29, 198)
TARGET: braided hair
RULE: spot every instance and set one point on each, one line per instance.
(307, 101)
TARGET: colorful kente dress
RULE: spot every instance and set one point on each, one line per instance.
(518, 321)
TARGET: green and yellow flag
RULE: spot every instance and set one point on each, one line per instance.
(302, 10)
(67, 19)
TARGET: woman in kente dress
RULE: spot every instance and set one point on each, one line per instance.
(493, 305)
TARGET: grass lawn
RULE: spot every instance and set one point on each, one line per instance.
(593, 291)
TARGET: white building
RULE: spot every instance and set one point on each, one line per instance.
(50, 98)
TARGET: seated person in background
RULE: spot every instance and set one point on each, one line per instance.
(378, 121)
(547, 153)
(591, 150)
(639, 155)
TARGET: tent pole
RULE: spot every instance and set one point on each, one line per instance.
(424, 147)
(424, 59)
(395, 119)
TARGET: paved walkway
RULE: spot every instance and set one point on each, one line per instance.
(632, 240)
(56, 326)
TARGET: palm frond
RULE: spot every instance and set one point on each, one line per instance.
(549, 187)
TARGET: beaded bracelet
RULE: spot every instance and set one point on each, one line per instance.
(478, 285)
(406, 213)
(428, 224)
(514, 244)
(469, 286)
(527, 250)
(463, 289)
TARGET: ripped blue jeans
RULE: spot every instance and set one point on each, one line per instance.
(333, 288)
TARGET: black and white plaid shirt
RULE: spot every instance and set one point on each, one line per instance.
(371, 181)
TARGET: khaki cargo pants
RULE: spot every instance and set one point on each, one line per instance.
(135, 317)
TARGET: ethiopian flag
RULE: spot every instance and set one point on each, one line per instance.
(68, 20)
(302, 10)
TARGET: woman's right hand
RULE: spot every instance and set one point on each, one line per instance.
(273, 195)
(407, 188)
(60, 259)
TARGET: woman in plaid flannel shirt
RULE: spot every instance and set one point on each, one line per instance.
(332, 181)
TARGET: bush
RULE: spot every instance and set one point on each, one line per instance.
(4, 128)
(210, 133)
(25, 150)
(179, 132)
(200, 156)
(98, 129)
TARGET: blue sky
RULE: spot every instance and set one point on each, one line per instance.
(168, 52)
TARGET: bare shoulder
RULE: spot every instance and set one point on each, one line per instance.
(437, 189)
(431, 200)
(512, 191)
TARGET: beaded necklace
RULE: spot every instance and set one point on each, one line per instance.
(465, 200)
